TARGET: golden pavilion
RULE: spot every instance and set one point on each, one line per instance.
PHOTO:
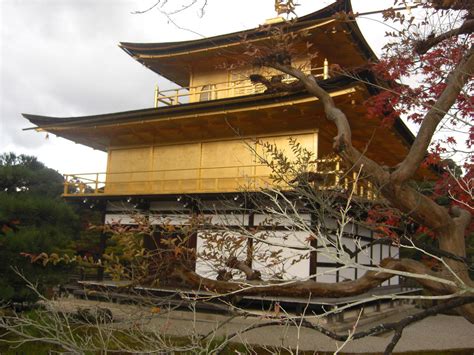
(198, 142)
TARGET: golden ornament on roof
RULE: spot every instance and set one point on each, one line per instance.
(285, 7)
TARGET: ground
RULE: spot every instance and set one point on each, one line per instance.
(437, 333)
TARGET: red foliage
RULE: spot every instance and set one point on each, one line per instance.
(413, 83)
(426, 231)
(385, 222)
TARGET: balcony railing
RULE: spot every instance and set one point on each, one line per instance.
(231, 88)
(209, 180)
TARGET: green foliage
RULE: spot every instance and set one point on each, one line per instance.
(33, 219)
(24, 173)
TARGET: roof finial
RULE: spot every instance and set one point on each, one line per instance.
(285, 7)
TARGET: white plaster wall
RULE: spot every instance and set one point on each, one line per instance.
(119, 206)
(290, 266)
(347, 274)
(349, 243)
(169, 219)
(376, 254)
(385, 254)
(394, 252)
(330, 223)
(363, 232)
(294, 263)
(125, 219)
(364, 256)
(326, 255)
(326, 274)
(227, 219)
(350, 228)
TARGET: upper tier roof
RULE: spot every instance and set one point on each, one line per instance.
(252, 115)
(174, 60)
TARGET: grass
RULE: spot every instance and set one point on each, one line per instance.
(134, 340)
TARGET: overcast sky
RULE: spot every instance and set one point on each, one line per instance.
(60, 58)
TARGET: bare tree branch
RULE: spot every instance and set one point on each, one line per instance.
(423, 46)
(398, 327)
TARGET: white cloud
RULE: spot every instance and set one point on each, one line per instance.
(60, 58)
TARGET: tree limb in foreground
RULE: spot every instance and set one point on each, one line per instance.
(449, 227)
(432, 281)
(397, 327)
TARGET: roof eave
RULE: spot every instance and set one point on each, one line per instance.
(139, 50)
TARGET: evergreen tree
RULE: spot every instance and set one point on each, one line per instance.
(33, 219)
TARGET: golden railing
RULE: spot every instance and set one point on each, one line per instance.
(209, 180)
(219, 90)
